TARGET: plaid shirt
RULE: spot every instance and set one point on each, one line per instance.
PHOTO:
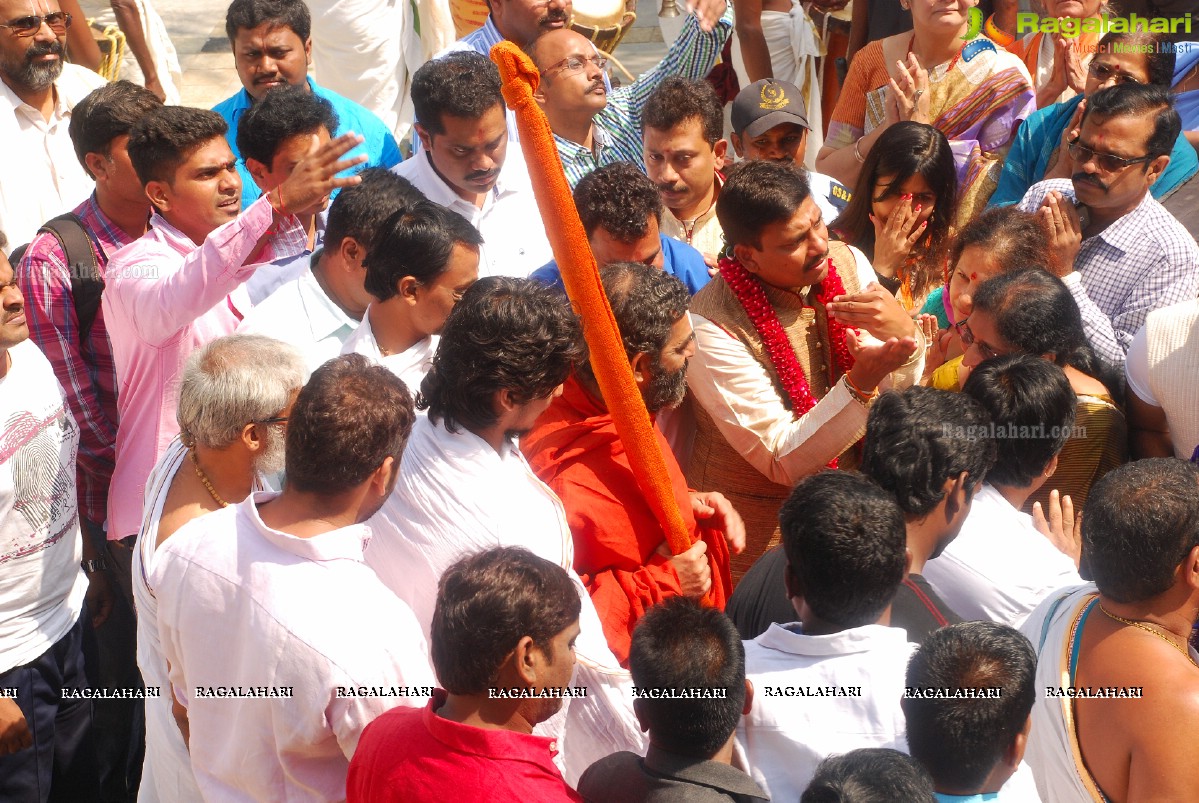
(85, 370)
(617, 129)
(1143, 261)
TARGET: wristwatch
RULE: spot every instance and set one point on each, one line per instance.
(90, 567)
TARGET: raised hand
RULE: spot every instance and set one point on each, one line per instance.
(1065, 227)
(910, 91)
(872, 363)
(1060, 526)
(306, 191)
(875, 310)
(895, 237)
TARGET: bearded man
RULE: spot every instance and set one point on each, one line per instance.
(40, 177)
(620, 546)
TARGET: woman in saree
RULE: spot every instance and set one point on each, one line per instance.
(974, 91)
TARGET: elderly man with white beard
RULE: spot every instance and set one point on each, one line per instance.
(234, 399)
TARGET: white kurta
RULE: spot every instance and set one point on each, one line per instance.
(456, 495)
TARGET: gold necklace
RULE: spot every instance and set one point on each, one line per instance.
(204, 479)
(1149, 629)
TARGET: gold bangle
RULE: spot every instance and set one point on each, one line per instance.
(856, 152)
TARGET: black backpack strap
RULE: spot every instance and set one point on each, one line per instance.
(86, 282)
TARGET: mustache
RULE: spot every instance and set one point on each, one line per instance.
(672, 188)
(43, 49)
(598, 83)
(559, 15)
(481, 174)
(1086, 178)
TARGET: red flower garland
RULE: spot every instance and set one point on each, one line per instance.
(761, 313)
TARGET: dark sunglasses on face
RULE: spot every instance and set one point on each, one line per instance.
(1108, 162)
(58, 21)
(1102, 72)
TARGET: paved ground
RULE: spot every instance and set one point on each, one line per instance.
(197, 28)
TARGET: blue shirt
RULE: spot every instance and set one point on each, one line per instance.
(1041, 134)
(378, 144)
(980, 798)
(678, 259)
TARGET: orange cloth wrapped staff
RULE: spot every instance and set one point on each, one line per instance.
(583, 287)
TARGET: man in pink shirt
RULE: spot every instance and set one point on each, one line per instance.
(180, 285)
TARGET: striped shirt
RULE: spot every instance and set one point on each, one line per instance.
(616, 132)
(1143, 261)
(86, 370)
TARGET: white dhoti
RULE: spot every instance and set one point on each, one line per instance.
(795, 52)
(162, 52)
(357, 46)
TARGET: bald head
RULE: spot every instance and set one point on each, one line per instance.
(572, 89)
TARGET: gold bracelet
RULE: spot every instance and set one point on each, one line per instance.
(863, 398)
(858, 153)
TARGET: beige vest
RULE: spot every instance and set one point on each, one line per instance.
(715, 465)
(1172, 335)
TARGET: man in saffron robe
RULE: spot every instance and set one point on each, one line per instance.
(794, 339)
(620, 548)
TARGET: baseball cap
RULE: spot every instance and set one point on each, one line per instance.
(764, 104)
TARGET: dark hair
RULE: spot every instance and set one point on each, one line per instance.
(1035, 312)
(904, 150)
(646, 303)
(346, 421)
(285, 112)
(505, 334)
(1140, 522)
(1032, 405)
(677, 100)
(1136, 100)
(848, 564)
(107, 113)
(960, 740)
(919, 438)
(869, 775)
(361, 210)
(164, 139)
(1016, 240)
(462, 84)
(620, 199)
(486, 603)
(416, 241)
(756, 194)
(1159, 60)
(249, 14)
(680, 644)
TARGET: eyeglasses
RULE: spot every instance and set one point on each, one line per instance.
(1107, 162)
(968, 340)
(58, 21)
(572, 64)
(279, 419)
(1102, 72)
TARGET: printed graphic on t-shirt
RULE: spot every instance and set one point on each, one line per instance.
(31, 450)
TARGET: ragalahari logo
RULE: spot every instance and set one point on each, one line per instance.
(975, 26)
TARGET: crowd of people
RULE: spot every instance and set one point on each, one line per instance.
(837, 440)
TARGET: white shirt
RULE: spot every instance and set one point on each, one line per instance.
(166, 770)
(40, 175)
(410, 365)
(455, 496)
(514, 241)
(785, 737)
(737, 392)
(999, 567)
(41, 583)
(300, 313)
(241, 604)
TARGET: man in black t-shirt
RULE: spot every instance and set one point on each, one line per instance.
(928, 448)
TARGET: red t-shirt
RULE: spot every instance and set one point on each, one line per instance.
(411, 755)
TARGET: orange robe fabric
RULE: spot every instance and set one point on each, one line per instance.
(574, 448)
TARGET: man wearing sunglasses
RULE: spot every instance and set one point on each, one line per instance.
(39, 174)
(1123, 255)
(1040, 148)
(594, 126)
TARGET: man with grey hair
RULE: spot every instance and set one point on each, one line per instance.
(234, 399)
(312, 646)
